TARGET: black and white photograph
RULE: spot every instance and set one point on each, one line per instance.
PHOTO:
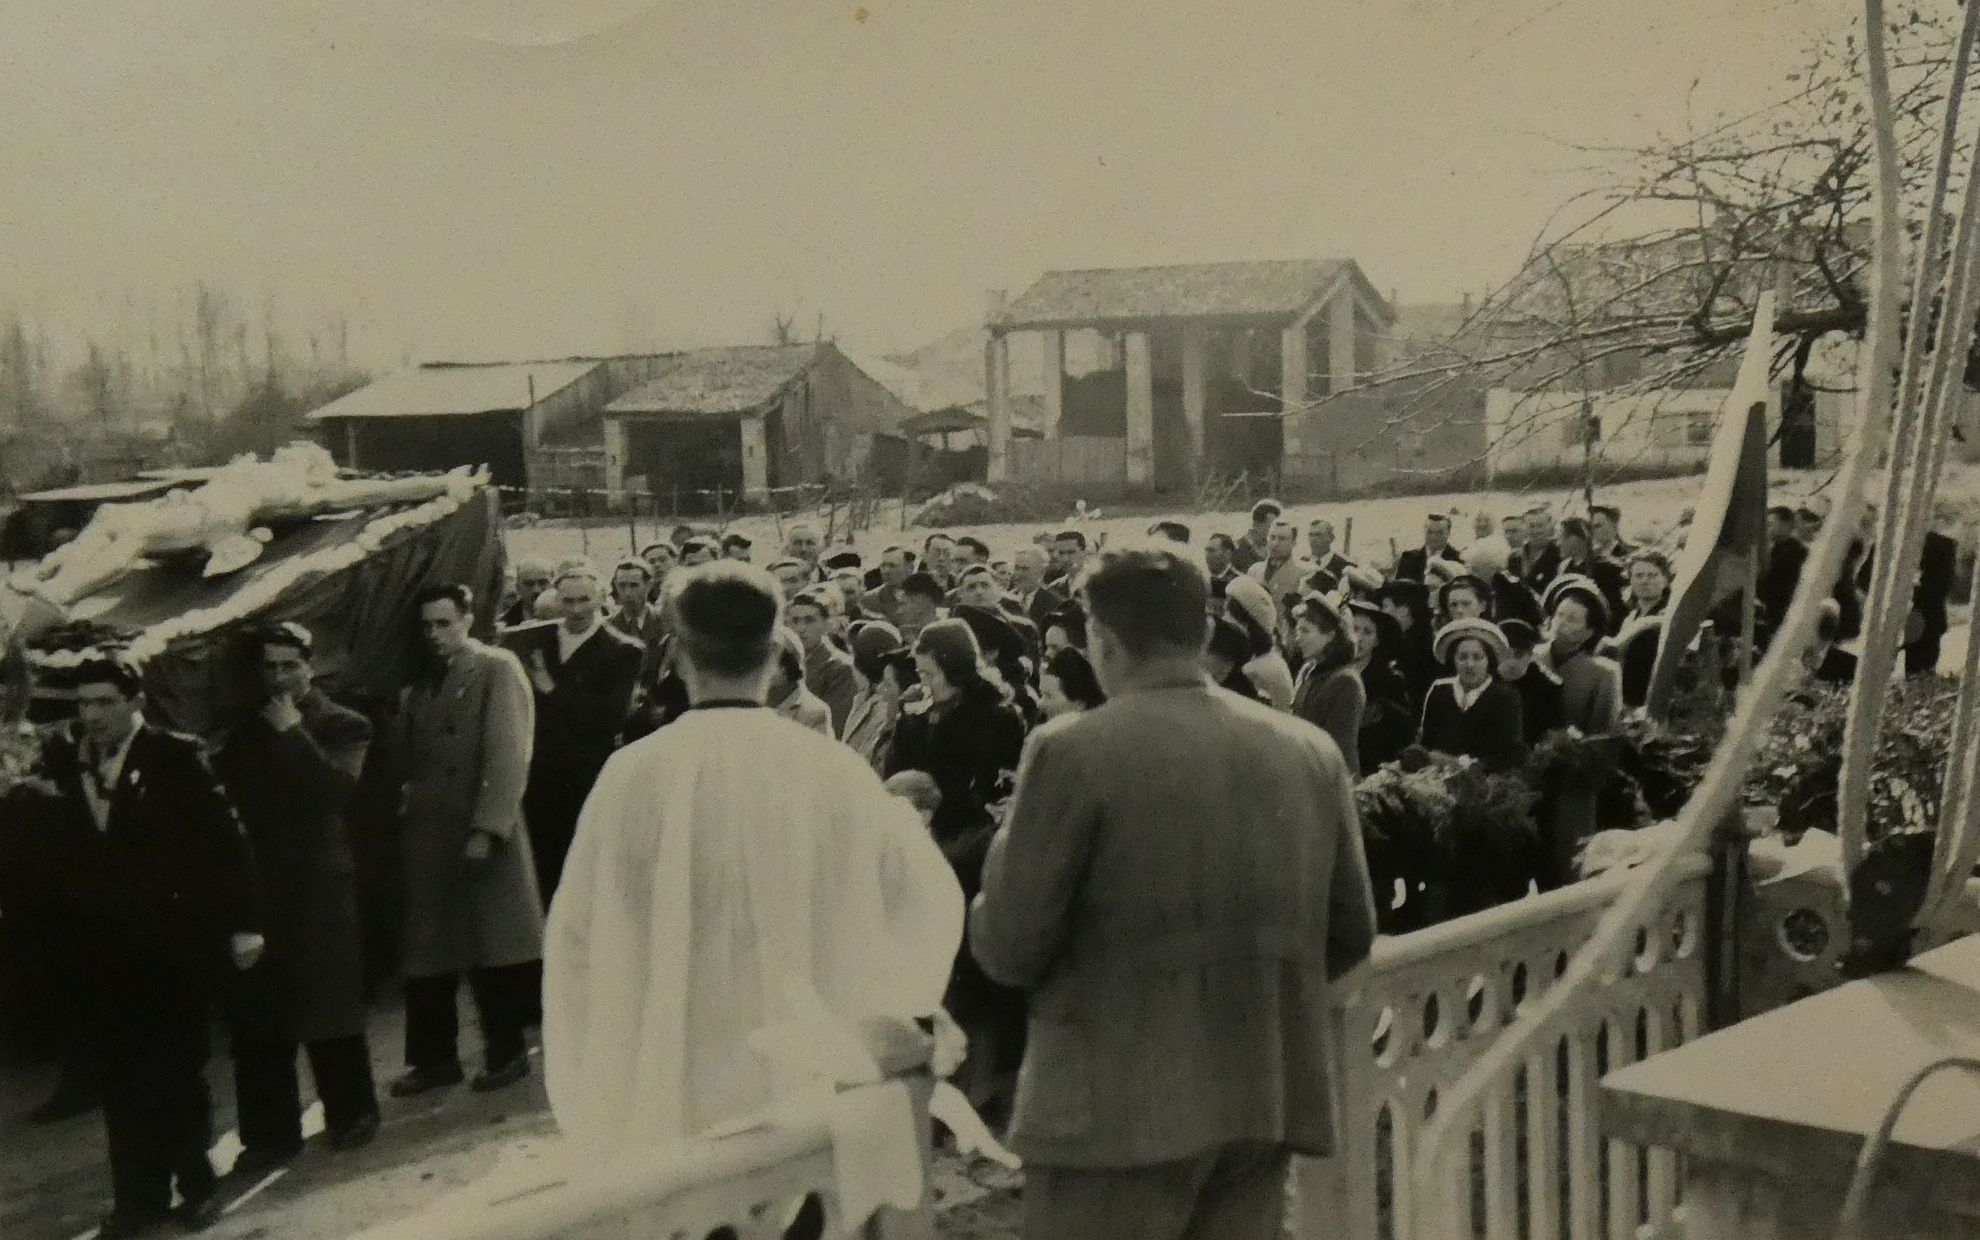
(807, 619)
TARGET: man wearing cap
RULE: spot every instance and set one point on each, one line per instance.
(290, 769)
(1411, 565)
(781, 904)
(660, 559)
(792, 576)
(1180, 979)
(736, 546)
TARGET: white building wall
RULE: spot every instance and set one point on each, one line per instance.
(1529, 430)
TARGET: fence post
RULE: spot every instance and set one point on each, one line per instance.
(1726, 911)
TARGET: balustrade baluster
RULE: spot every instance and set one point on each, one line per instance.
(1543, 1145)
(1583, 1152)
(1624, 1181)
(1662, 1179)
(1501, 1162)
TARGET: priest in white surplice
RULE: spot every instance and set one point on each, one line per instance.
(745, 911)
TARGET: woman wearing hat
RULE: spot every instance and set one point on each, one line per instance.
(1251, 606)
(1327, 693)
(1591, 685)
(1387, 724)
(876, 706)
(1408, 602)
(1471, 713)
(1226, 654)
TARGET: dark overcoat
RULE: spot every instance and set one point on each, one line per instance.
(292, 790)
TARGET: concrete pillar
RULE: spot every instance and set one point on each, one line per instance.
(755, 458)
(1340, 341)
(351, 444)
(1140, 409)
(615, 455)
(1055, 381)
(1292, 385)
(997, 383)
(1195, 365)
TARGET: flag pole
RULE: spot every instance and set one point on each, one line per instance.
(1749, 593)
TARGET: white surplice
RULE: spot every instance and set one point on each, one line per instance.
(739, 886)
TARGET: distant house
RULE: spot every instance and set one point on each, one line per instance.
(1213, 367)
(750, 420)
(512, 417)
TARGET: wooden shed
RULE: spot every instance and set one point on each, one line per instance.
(748, 420)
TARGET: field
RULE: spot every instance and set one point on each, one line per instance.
(1649, 508)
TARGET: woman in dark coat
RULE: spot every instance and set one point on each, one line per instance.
(963, 730)
(1471, 714)
(1387, 727)
(1409, 603)
(1327, 693)
(1637, 638)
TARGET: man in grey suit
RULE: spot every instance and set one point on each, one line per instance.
(1178, 881)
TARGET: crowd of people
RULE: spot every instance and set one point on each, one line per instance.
(944, 670)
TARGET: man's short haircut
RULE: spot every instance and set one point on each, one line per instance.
(1174, 531)
(897, 549)
(976, 546)
(736, 540)
(1539, 510)
(975, 570)
(1222, 540)
(462, 597)
(725, 615)
(1151, 599)
(932, 539)
(700, 543)
(923, 586)
(1575, 527)
(115, 670)
(1784, 511)
(632, 564)
(1613, 513)
(1266, 510)
(778, 565)
(285, 633)
(1439, 518)
(1072, 536)
(652, 547)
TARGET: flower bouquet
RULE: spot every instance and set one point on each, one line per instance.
(20, 760)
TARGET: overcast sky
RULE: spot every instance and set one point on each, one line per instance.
(488, 178)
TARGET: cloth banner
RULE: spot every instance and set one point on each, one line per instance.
(1728, 530)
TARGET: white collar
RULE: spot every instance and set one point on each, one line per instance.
(1466, 698)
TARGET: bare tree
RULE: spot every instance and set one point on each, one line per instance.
(1647, 283)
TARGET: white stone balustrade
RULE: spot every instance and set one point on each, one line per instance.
(1414, 1018)
(748, 1186)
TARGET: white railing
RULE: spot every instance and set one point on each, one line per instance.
(749, 1186)
(1413, 1019)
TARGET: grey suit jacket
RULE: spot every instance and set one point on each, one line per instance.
(1178, 880)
